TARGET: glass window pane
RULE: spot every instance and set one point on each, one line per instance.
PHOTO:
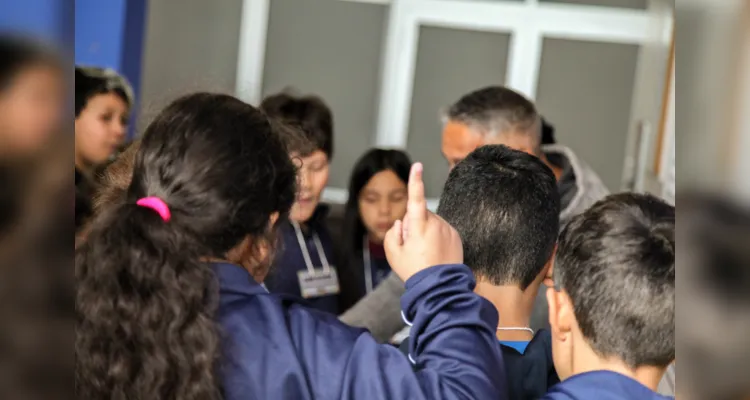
(330, 48)
(450, 63)
(585, 91)
(179, 59)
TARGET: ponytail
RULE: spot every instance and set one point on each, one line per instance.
(145, 307)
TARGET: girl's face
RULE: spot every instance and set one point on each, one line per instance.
(381, 202)
(100, 128)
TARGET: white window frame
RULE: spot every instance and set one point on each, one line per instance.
(528, 23)
(667, 177)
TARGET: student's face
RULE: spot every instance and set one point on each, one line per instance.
(381, 202)
(459, 140)
(101, 128)
(566, 338)
(31, 108)
(313, 177)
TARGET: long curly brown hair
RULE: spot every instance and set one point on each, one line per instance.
(145, 300)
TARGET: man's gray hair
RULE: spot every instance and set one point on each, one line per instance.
(497, 110)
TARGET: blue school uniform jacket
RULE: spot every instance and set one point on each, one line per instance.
(532, 373)
(602, 385)
(529, 375)
(274, 348)
(283, 278)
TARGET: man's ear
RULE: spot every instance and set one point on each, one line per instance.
(560, 313)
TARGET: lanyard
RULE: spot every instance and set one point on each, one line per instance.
(367, 263)
(306, 253)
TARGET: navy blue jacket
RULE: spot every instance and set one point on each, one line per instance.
(532, 373)
(283, 278)
(273, 348)
(529, 375)
(602, 385)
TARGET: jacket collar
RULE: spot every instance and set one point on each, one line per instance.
(235, 279)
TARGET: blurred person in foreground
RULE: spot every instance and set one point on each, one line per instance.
(612, 304)
(492, 115)
(32, 96)
(103, 101)
(714, 313)
(36, 281)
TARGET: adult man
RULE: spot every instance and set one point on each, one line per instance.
(492, 115)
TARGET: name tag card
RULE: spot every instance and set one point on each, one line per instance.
(319, 282)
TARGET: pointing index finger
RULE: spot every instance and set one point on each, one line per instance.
(416, 206)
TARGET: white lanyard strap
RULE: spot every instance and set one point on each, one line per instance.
(367, 263)
(306, 252)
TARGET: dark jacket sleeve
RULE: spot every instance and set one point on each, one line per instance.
(280, 349)
(458, 352)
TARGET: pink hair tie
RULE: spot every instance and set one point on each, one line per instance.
(157, 205)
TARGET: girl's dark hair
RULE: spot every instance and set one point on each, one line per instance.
(18, 53)
(146, 295)
(93, 81)
(372, 162)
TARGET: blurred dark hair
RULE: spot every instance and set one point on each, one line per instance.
(505, 206)
(93, 81)
(714, 313)
(353, 229)
(36, 283)
(18, 53)
(310, 114)
(616, 261)
(146, 297)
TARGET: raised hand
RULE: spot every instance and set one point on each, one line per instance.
(428, 239)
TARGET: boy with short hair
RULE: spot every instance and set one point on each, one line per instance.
(305, 266)
(613, 303)
(505, 206)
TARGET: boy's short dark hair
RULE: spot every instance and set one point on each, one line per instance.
(505, 206)
(308, 113)
(616, 261)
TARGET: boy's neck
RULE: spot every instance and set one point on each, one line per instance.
(649, 376)
(513, 307)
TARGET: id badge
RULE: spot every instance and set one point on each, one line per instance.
(319, 282)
